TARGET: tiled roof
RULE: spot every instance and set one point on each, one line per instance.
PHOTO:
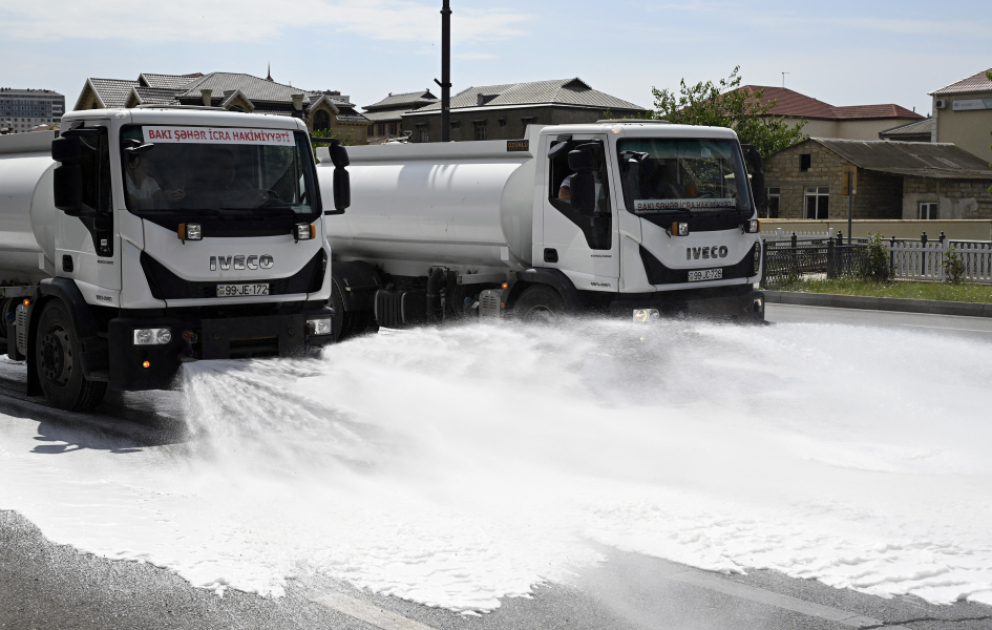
(561, 91)
(172, 81)
(350, 114)
(386, 115)
(940, 161)
(253, 88)
(113, 92)
(407, 100)
(792, 104)
(159, 95)
(977, 82)
(337, 97)
(918, 128)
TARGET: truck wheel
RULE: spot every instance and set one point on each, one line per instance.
(57, 355)
(539, 303)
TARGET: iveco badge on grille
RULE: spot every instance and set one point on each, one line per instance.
(241, 262)
(695, 253)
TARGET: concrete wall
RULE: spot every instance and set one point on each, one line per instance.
(956, 199)
(849, 129)
(969, 130)
(978, 230)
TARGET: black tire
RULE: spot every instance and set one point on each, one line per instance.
(352, 323)
(57, 361)
(539, 303)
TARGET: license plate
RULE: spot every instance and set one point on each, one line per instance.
(241, 290)
(705, 274)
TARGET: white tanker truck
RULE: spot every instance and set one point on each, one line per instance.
(141, 238)
(652, 219)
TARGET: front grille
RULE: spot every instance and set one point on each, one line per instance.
(166, 285)
(658, 273)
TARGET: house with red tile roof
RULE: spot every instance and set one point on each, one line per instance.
(823, 120)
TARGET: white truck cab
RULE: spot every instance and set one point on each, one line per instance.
(141, 238)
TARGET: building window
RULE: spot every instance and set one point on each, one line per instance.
(817, 203)
(804, 162)
(928, 210)
(321, 121)
(380, 129)
(501, 121)
(480, 131)
(425, 135)
(773, 197)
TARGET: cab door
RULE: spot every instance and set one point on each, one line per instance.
(86, 247)
(582, 244)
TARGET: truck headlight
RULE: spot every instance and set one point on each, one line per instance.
(321, 326)
(190, 232)
(680, 228)
(152, 336)
(752, 226)
(642, 315)
(305, 231)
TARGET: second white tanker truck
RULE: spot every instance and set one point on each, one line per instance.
(632, 219)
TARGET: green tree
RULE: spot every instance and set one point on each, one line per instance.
(989, 76)
(723, 104)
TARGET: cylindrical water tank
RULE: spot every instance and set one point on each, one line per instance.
(27, 209)
(438, 204)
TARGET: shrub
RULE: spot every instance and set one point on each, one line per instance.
(874, 260)
(953, 266)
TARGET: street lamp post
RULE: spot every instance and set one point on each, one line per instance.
(445, 81)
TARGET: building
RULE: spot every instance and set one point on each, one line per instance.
(386, 115)
(962, 114)
(235, 91)
(893, 180)
(854, 122)
(23, 110)
(919, 131)
(496, 112)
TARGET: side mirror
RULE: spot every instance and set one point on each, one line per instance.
(339, 156)
(583, 190)
(581, 160)
(758, 188)
(68, 188)
(67, 149)
(342, 190)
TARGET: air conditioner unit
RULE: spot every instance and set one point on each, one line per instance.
(940, 103)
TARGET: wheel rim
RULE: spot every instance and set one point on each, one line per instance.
(56, 356)
(541, 314)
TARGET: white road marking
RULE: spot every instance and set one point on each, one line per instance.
(363, 611)
(716, 582)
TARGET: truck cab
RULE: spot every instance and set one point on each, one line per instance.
(162, 235)
(659, 217)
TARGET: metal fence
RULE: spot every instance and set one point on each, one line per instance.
(799, 254)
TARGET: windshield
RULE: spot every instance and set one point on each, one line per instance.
(682, 175)
(217, 171)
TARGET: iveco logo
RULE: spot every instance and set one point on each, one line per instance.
(706, 252)
(240, 262)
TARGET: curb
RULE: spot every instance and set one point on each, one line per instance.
(929, 307)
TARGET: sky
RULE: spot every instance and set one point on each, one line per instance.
(842, 52)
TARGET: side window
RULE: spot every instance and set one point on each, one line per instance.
(597, 224)
(94, 161)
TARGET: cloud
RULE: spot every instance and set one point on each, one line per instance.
(196, 21)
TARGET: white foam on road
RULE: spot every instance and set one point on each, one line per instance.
(457, 466)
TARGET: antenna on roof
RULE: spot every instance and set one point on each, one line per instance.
(268, 77)
(783, 78)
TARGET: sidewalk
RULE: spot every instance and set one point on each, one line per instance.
(932, 307)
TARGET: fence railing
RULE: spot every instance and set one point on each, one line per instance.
(798, 254)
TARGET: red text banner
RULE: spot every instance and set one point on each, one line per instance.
(218, 135)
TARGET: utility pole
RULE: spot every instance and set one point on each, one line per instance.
(445, 81)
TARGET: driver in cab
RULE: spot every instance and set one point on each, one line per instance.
(221, 187)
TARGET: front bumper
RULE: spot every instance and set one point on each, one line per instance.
(740, 302)
(222, 338)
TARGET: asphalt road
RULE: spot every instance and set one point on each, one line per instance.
(973, 327)
(44, 586)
